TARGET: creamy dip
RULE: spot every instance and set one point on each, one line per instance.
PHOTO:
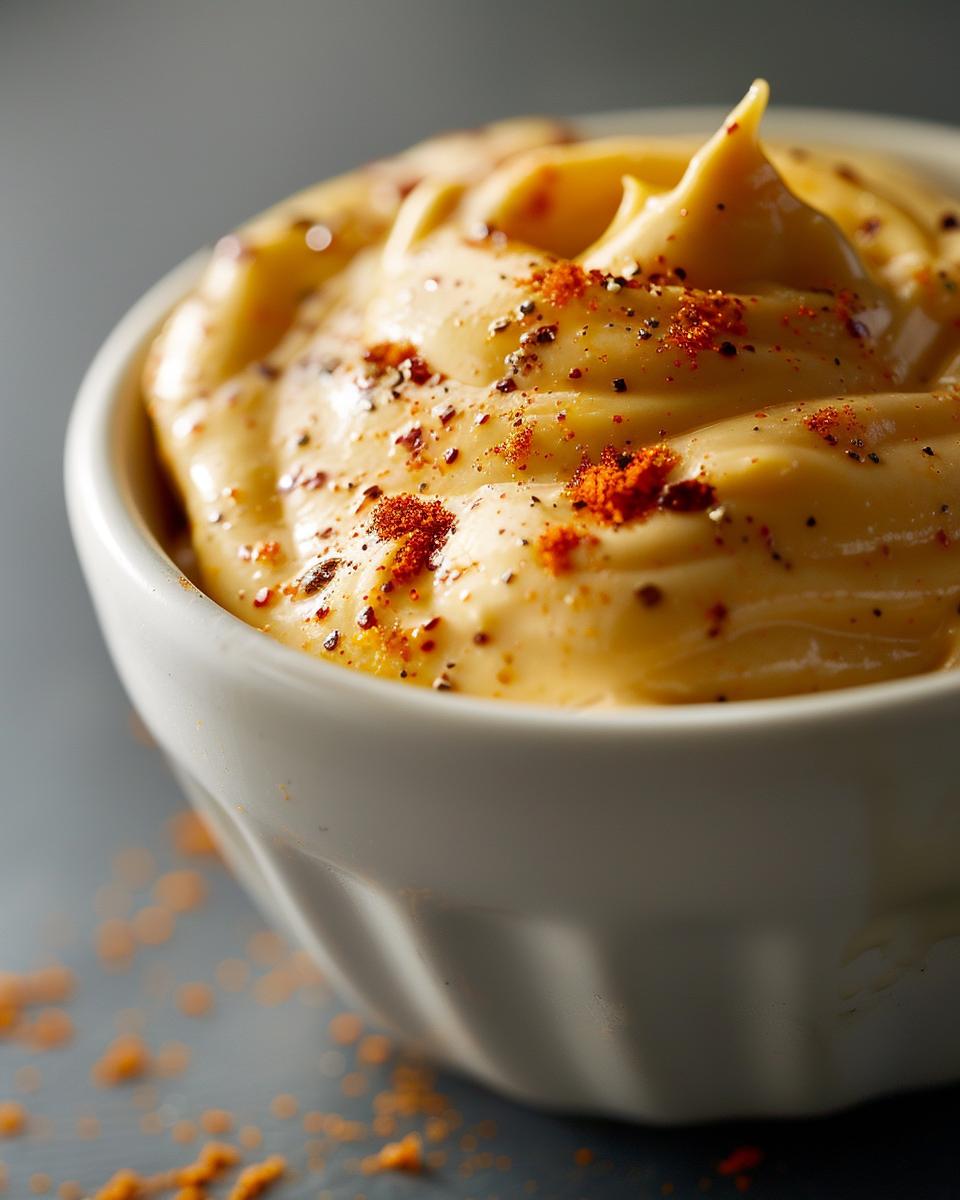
(611, 422)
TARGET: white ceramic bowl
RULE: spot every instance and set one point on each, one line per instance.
(659, 913)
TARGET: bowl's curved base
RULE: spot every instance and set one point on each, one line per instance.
(659, 1023)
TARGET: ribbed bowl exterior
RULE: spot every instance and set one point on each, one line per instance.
(647, 1017)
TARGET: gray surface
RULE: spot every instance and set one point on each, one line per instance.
(132, 132)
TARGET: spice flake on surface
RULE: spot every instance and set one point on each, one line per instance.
(559, 283)
(516, 448)
(421, 527)
(704, 321)
(830, 421)
(623, 485)
(555, 547)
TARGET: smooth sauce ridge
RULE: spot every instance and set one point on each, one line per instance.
(604, 422)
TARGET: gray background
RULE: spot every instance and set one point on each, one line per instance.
(132, 132)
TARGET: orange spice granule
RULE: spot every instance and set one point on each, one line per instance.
(9, 1018)
(115, 943)
(354, 1084)
(70, 1189)
(276, 987)
(214, 1159)
(125, 1058)
(703, 320)
(216, 1120)
(583, 1157)
(183, 1131)
(421, 526)
(413, 1092)
(559, 283)
(261, 552)
(255, 1180)
(384, 1126)
(13, 1118)
(51, 1027)
(304, 969)
(516, 448)
(341, 1130)
(405, 1155)
(40, 1183)
(191, 835)
(374, 1049)
(11, 989)
(436, 1129)
(124, 1185)
(153, 925)
(180, 891)
(195, 999)
(266, 947)
(51, 984)
(623, 485)
(401, 356)
(250, 1137)
(284, 1106)
(389, 354)
(345, 1028)
(555, 547)
(296, 973)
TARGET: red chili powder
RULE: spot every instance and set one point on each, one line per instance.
(400, 354)
(516, 448)
(623, 485)
(555, 547)
(421, 526)
(704, 319)
(827, 422)
(560, 283)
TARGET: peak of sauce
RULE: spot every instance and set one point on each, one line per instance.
(515, 385)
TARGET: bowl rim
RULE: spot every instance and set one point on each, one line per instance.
(99, 499)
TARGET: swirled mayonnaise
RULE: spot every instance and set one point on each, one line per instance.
(583, 422)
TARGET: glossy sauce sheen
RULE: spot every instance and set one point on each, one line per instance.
(583, 423)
